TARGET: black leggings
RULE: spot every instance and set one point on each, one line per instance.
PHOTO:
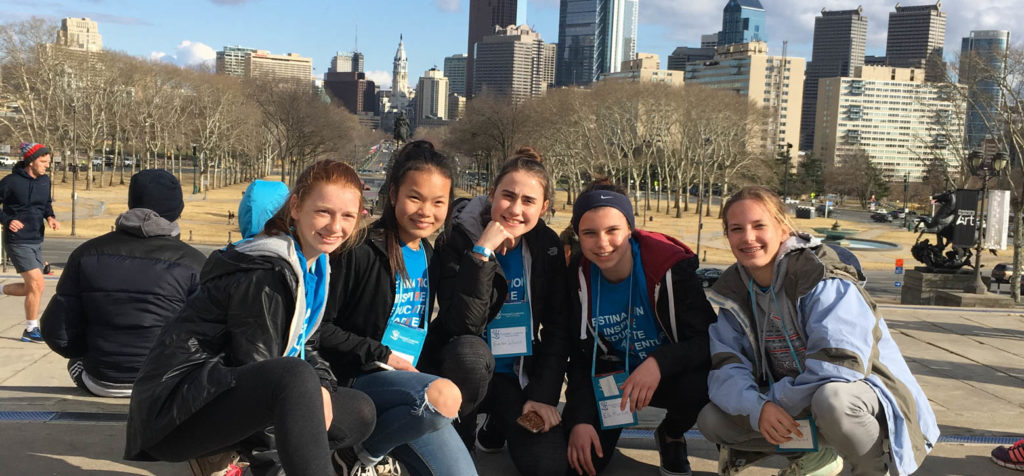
(466, 361)
(683, 395)
(541, 454)
(281, 392)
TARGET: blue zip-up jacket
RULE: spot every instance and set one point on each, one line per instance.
(846, 341)
(27, 200)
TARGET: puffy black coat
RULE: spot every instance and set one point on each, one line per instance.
(358, 307)
(470, 293)
(243, 312)
(116, 293)
(27, 200)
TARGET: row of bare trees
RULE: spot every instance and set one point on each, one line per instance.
(653, 137)
(84, 104)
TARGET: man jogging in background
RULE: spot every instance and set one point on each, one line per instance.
(26, 212)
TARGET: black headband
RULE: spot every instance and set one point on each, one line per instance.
(601, 198)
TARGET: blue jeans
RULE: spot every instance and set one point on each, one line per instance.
(410, 428)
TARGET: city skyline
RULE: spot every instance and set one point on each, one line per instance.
(187, 33)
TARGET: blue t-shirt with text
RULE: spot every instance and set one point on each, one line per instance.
(612, 317)
(411, 296)
(512, 266)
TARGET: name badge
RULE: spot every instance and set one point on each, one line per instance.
(404, 341)
(609, 400)
(509, 334)
(809, 442)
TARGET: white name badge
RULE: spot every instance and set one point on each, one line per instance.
(609, 401)
(509, 334)
(808, 442)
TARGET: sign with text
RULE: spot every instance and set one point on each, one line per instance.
(965, 219)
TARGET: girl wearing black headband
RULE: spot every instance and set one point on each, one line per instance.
(501, 329)
(639, 294)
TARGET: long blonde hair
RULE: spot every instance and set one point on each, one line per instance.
(767, 198)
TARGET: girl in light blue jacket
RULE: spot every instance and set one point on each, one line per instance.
(802, 362)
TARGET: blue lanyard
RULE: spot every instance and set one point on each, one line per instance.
(785, 331)
(596, 276)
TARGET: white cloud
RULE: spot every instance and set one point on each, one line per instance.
(380, 77)
(448, 5)
(187, 53)
(191, 53)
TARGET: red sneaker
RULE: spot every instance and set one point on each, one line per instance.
(1012, 457)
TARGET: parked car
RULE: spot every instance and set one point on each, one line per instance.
(881, 217)
(789, 200)
(820, 209)
(97, 161)
(897, 214)
(1002, 272)
(708, 276)
(6, 161)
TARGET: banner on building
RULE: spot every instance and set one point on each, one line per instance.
(965, 223)
(997, 219)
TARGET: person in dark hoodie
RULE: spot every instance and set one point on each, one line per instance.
(26, 213)
(118, 290)
(241, 356)
(638, 292)
(378, 313)
(500, 280)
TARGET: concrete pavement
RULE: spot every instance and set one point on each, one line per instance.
(969, 361)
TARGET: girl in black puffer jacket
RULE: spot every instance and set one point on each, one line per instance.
(240, 356)
(502, 328)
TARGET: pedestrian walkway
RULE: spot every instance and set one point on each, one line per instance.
(969, 361)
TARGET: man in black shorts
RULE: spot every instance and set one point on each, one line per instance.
(25, 214)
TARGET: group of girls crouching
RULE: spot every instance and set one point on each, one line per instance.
(318, 338)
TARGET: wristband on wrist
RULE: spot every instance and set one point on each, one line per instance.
(482, 251)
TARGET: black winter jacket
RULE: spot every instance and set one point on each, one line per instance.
(681, 311)
(248, 308)
(27, 200)
(116, 293)
(358, 307)
(470, 293)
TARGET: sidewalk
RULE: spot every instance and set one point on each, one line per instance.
(969, 361)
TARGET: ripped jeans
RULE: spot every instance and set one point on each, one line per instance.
(410, 428)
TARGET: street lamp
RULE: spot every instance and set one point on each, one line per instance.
(785, 156)
(906, 192)
(985, 170)
(74, 163)
(195, 169)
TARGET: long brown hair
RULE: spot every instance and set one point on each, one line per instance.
(415, 156)
(527, 159)
(321, 172)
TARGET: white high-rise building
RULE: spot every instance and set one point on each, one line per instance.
(891, 114)
(432, 96)
(622, 29)
(79, 34)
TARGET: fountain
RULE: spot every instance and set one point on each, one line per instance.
(837, 235)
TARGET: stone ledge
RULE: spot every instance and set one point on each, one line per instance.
(961, 299)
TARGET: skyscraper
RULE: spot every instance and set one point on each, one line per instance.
(341, 63)
(484, 15)
(353, 91)
(838, 49)
(916, 34)
(709, 40)
(594, 37)
(742, 22)
(432, 96)
(79, 34)
(982, 63)
(455, 71)
(231, 60)
(510, 63)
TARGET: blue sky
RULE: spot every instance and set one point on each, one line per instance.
(189, 31)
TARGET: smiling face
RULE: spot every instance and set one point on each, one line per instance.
(325, 218)
(38, 167)
(604, 239)
(517, 202)
(421, 203)
(755, 236)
